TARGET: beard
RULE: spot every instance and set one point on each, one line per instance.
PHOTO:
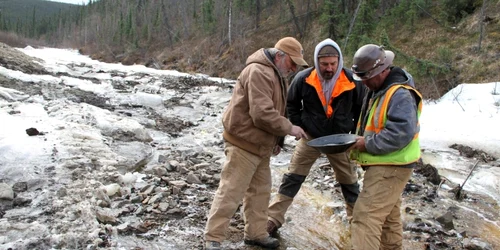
(283, 69)
(328, 75)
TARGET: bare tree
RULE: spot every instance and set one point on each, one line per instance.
(167, 24)
(229, 22)
(352, 24)
(481, 25)
(295, 19)
(308, 11)
(257, 13)
(330, 9)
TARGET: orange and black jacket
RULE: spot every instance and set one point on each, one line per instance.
(307, 108)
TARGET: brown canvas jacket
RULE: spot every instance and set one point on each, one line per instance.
(255, 116)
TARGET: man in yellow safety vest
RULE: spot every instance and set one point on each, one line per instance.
(387, 147)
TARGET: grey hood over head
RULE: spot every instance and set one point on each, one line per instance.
(328, 85)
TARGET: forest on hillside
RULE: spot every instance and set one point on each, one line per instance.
(215, 37)
(33, 18)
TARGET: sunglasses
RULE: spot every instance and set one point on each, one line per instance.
(363, 74)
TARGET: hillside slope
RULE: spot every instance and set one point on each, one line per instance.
(429, 43)
(12, 10)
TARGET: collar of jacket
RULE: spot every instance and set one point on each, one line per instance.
(396, 76)
(342, 85)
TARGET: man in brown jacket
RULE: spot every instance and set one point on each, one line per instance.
(253, 123)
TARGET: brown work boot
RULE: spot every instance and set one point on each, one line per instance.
(272, 229)
(212, 245)
(349, 207)
(267, 242)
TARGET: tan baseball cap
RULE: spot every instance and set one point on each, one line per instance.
(293, 48)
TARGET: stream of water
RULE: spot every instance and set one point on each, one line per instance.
(312, 222)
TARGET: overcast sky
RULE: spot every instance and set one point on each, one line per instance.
(71, 1)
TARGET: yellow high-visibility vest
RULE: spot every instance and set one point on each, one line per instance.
(376, 122)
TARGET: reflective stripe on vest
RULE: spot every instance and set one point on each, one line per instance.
(341, 85)
(376, 122)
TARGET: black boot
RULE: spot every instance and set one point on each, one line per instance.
(267, 242)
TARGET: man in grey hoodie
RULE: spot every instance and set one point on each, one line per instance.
(323, 100)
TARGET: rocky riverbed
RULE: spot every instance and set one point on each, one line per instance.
(130, 157)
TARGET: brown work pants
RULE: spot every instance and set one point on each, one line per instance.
(376, 222)
(302, 160)
(246, 177)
